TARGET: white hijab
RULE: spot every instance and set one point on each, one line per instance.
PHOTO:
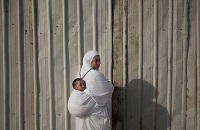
(87, 59)
(97, 86)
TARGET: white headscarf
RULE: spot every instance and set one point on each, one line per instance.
(97, 86)
(87, 59)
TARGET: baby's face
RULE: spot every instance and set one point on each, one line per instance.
(80, 85)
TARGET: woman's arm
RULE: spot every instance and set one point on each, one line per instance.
(99, 88)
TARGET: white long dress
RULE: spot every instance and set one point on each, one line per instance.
(98, 93)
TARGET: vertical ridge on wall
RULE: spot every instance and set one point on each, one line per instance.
(94, 24)
(125, 53)
(67, 122)
(104, 39)
(125, 33)
(35, 66)
(140, 32)
(155, 64)
(132, 97)
(191, 92)
(118, 100)
(198, 61)
(72, 40)
(195, 70)
(50, 61)
(103, 32)
(110, 37)
(174, 69)
(20, 65)
(155, 68)
(6, 101)
(79, 32)
(140, 56)
(1, 67)
(177, 92)
(87, 25)
(185, 59)
(4, 63)
(65, 64)
(169, 61)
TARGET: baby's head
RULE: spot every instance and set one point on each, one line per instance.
(79, 84)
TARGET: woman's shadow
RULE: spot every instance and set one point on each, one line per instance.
(143, 110)
(140, 110)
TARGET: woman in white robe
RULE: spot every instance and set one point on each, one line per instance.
(95, 111)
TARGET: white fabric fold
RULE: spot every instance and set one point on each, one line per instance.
(98, 87)
(80, 104)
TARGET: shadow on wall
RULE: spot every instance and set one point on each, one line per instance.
(135, 108)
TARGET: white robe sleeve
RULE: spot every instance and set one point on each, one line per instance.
(99, 88)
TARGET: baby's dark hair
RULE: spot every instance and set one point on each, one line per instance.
(75, 80)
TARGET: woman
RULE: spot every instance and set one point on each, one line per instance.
(98, 94)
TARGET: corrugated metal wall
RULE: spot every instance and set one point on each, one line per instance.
(42, 43)
(150, 49)
(156, 64)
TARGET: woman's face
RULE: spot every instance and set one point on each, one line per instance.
(95, 63)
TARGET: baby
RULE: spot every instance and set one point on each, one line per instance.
(79, 84)
(80, 103)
